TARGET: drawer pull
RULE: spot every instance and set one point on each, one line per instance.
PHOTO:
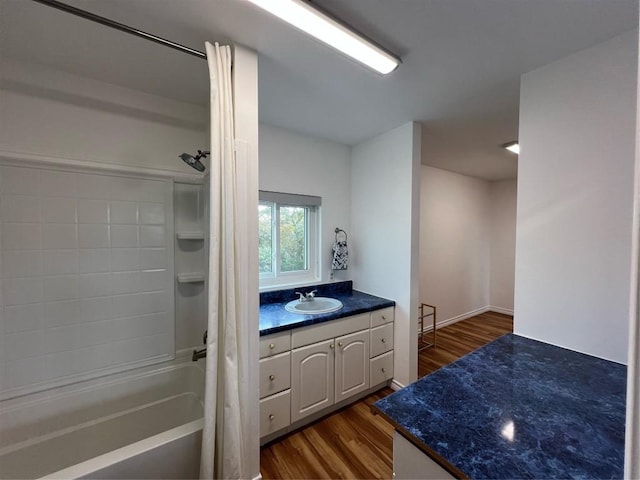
(272, 377)
(383, 370)
(383, 340)
(272, 346)
(271, 416)
(332, 346)
(384, 317)
(339, 344)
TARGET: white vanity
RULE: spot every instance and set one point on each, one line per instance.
(310, 371)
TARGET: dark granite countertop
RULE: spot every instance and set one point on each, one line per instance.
(274, 318)
(518, 408)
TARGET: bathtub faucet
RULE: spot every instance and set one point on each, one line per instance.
(198, 354)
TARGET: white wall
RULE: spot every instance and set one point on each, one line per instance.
(502, 244)
(385, 203)
(53, 116)
(294, 163)
(52, 113)
(454, 243)
(575, 198)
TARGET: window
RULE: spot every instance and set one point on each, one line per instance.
(288, 238)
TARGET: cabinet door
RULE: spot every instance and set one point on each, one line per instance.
(312, 379)
(352, 364)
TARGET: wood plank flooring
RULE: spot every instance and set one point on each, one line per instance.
(354, 443)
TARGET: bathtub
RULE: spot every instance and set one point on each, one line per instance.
(143, 424)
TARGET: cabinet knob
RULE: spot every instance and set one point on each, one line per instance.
(383, 370)
(271, 416)
(383, 340)
(384, 317)
(332, 346)
(339, 344)
(272, 377)
(272, 346)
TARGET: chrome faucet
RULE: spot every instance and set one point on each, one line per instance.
(307, 297)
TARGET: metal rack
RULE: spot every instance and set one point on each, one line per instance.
(422, 343)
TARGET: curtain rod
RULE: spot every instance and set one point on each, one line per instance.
(119, 26)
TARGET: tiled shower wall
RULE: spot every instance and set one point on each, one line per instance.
(86, 275)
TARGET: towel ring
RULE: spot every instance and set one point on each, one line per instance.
(338, 232)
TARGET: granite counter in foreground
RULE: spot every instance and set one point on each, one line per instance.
(518, 408)
(274, 318)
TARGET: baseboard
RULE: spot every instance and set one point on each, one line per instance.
(395, 385)
(457, 318)
(504, 311)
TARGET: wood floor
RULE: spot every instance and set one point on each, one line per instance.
(354, 443)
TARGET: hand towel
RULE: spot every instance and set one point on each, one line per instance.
(340, 255)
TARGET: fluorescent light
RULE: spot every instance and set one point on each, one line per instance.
(319, 25)
(513, 147)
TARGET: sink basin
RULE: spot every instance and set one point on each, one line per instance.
(317, 305)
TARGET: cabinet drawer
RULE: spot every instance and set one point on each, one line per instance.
(275, 412)
(274, 344)
(381, 368)
(381, 339)
(380, 317)
(275, 374)
(327, 330)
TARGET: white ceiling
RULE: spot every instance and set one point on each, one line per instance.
(462, 60)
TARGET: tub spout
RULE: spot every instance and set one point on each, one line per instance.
(198, 354)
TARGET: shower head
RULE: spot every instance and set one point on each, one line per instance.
(194, 161)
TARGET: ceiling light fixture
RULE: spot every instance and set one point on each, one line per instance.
(307, 18)
(513, 147)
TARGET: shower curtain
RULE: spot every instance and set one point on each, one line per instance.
(224, 442)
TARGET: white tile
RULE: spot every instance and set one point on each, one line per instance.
(123, 212)
(153, 258)
(125, 282)
(62, 364)
(60, 262)
(124, 236)
(19, 180)
(22, 318)
(139, 304)
(95, 285)
(62, 313)
(151, 213)
(56, 236)
(58, 184)
(21, 236)
(93, 236)
(95, 357)
(152, 236)
(23, 344)
(134, 189)
(26, 371)
(124, 259)
(59, 210)
(20, 208)
(21, 263)
(18, 291)
(74, 337)
(95, 309)
(153, 280)
(60, 287)
(93, 211)
(94, 260)
(93, 186)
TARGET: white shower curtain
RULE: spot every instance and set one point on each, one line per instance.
(224, 442)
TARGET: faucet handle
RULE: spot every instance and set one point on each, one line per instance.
(302, 296)
(311, 294)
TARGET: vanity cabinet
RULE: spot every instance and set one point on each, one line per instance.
(312, 369)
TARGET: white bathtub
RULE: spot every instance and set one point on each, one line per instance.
(144, 424)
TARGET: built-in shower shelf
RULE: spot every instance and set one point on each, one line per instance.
(191, 278)
(191, 235)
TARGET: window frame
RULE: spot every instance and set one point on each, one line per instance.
(277, 278)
